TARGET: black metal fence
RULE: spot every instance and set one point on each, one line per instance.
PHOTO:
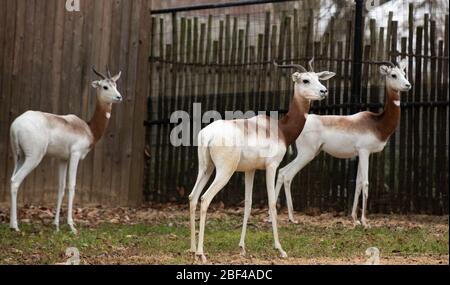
(221, 57)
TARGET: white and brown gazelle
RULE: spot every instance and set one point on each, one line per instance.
(68, 138)
(247, 145)
(349, 136)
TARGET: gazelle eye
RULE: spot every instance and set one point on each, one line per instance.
(306, 81)
(105, 87)
(394, 76)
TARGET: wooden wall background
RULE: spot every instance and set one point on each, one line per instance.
(46, 54)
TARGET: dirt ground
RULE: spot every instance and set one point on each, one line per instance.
(93, 217)
(238, 260)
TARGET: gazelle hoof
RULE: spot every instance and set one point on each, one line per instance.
(283, 254)
(243, 253)
(73, 230)
(56, 224)
(366, 225)
(202, 257)
(15, 229)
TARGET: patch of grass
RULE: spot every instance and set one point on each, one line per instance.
(167, 242)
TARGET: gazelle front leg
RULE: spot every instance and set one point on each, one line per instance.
(364, 168)
(73, 166)
(278, 185)
(270, 181)
(287, 174)
(62, 172)
(249, 178)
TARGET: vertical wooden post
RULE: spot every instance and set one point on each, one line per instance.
(356, 86)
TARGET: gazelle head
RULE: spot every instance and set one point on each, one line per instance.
(396, 76)
(107, 87)
(307, 82)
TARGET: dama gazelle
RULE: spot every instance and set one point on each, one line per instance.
(247, 145)
(68, 138)
(349, 136)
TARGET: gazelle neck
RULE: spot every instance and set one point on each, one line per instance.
(390, 117)
(292, 124)
(100, 119)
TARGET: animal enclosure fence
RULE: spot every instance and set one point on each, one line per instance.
(222, 58)
(46, 55)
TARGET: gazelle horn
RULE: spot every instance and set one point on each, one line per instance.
(303, 69)
(98, 73)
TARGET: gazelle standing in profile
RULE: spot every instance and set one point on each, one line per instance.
(349, 136)
(68, 138)
(247, 145)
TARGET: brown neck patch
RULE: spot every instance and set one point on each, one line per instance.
(100, 119)
(382, 125)
(291, 125)
(390, 117)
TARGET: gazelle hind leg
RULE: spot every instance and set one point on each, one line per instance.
(226, 161)
(18, 157)
(280, 180)
(206, 168)
(249, 178)
(290, 205)
(221, 179)
(29, 164)
(201, 182)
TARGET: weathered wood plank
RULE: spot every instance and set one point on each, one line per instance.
(417, 190)
(138, 140)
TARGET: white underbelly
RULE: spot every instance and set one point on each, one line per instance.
(63, 146)
(339, 150)
(253, 158)
(347, 145)
(59, 151)
(250, 161)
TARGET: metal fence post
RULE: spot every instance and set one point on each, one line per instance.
(356, 89)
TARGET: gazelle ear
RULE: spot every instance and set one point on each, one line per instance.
(117, 76)
(385, 70)
(296, 77)
(325, 75)
(95, 84)
(403, 64)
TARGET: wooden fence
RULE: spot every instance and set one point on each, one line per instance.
(46, 54)
(223, 62)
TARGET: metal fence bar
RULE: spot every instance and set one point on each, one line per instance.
(215, 6)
